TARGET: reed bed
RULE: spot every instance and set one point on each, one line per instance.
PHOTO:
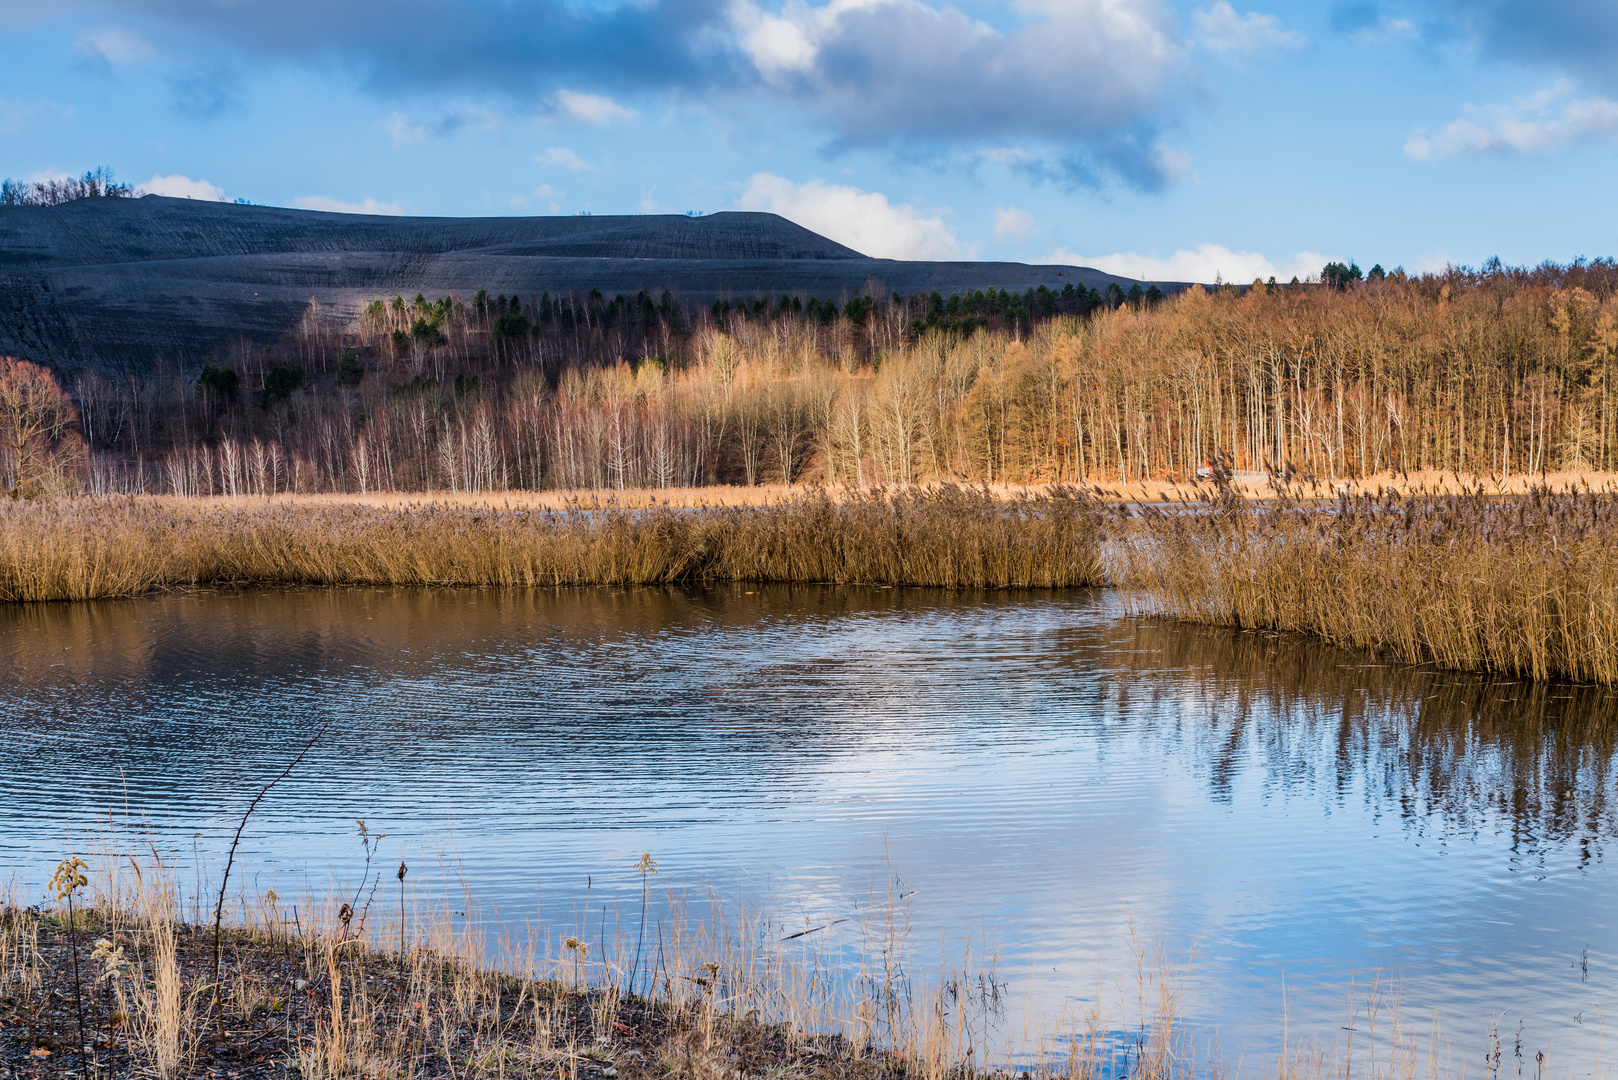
(946, 536)
(1525, 587)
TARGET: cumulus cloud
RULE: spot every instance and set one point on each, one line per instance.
(176, 186)
(862, 220)
(1221, 30)
(338, 206)
(1095, 79)
(589, 108)
(1011, 223)
(1544, 121)
(560, 157)
(885, 68)
(1092, 80)
(1204, 264)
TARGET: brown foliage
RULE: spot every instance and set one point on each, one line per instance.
(37, 444)
(1505, 373)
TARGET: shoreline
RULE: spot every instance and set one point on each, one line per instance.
(1523, 585)
(282, 1014)
(316, 999)
(1249, 485)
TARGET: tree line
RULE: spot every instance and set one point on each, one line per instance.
(1496, 371)
(95, 184)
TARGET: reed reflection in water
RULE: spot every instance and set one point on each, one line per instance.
(1040, 772)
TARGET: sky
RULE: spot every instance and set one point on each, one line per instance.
(1151, 138)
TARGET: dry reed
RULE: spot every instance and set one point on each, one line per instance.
(1526, 586)
(734, 994)
(80, 549)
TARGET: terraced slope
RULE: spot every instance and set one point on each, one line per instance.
(120, 285)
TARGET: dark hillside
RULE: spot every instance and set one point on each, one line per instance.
(118, 285)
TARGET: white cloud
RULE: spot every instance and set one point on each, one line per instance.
(1174, 164)
(551, 196)
(589, 108)
(649, 203)
(782, 45)
(863, 220)
(1010, 156)
(404, 130)
(563, 158)
(1203, 264)
(113, 46)
(1384, 28)
(886, 68)
(182, 187)
(337, 206)
(1221, 30)
(1544, 121)
(1013, 223)
(1432, 264)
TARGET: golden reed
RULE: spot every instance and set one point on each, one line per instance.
(1526, 586)
(1523, 586)
(954, 537)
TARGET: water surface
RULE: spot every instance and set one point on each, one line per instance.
(1045, 777)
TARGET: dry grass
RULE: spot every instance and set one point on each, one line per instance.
(80, 549)
(329, 993)
(728, 994)
(1522, 586)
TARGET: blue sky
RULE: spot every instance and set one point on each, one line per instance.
(1158, 139)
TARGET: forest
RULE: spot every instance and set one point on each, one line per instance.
(1497, 371)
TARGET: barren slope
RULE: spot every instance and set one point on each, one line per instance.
(119, 285)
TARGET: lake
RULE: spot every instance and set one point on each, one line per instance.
(1046, 778)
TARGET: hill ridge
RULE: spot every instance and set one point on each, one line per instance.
(121, 285)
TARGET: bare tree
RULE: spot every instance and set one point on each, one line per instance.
(36, 429)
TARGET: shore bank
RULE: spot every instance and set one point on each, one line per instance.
(326, 993)
(329, 1003)
(1250, 485)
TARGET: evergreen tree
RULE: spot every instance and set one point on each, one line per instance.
(1335, 275)
(349, 369)
(281, 382)
(220, 385)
